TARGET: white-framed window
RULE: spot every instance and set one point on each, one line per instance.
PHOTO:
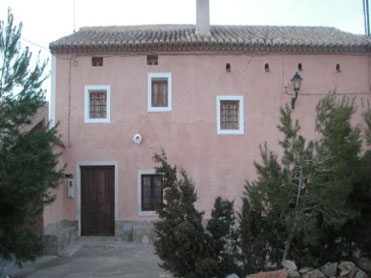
(159, 92)
(150, 192)
(97, 104)
(230, 114)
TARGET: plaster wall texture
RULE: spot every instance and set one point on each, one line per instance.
(219, 164)
(54, 212)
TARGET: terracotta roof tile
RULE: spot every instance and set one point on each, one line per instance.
(222, 38)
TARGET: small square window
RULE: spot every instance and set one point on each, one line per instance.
(97, 61)
(97, 104)
(230, 115)
(152, 60)
(159, 92)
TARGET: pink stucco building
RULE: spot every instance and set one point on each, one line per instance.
(207, 95)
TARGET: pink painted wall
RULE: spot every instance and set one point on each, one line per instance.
(219, 164)
(54, 212)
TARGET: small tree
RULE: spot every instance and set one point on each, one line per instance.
(308, 189)
(355, 234)
(221, 239)
(262, 228)
(184, 246)
(27, 162)
(179, 238)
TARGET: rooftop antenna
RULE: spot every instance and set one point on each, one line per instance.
(74, 17)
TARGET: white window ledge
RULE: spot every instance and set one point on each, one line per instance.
(239, 131)
(92, 88)
(160, 75)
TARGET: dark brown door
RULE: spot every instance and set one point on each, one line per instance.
(97, 200)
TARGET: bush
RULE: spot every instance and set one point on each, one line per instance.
(179, 234)
(184, 246)
(221, 239)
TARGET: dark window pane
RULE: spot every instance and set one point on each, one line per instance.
(164, 94)
(151, 192)
(155, 94)
(159, 92)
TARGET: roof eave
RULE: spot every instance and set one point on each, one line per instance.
(205, 48)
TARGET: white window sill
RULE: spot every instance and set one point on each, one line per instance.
(159, 109)
(231, 131)
(241, 129)
(92, 121)
(89, 89)
(147, 213)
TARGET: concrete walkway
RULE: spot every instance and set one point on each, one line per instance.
(92, 258)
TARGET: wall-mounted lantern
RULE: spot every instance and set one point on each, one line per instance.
(296, 83)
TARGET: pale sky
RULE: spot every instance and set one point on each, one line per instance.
(47, 20)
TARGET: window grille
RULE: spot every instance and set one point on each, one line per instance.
(98, 104)
(229, 114)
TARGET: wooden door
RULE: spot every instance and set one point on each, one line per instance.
(97, 200)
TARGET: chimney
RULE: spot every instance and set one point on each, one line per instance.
(203, 18)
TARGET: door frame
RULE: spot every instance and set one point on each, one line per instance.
(80, 164)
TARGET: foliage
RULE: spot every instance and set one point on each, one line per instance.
(221, 239)
(298, 198)
(261, 227)
(367, 119)
(356, 232)
(184, 246)
(27, 162)
(179, 234)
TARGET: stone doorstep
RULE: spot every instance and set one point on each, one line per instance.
(59, 236)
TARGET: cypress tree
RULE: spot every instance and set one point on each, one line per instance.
(179, 240)
(185, 247)
(221, 238)
(27, 161)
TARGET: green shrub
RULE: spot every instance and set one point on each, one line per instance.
(184, 246)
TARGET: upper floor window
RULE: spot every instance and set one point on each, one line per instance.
(230, 115)
(97, 61)
(159, 92)
(97, 104)
(152, 60)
